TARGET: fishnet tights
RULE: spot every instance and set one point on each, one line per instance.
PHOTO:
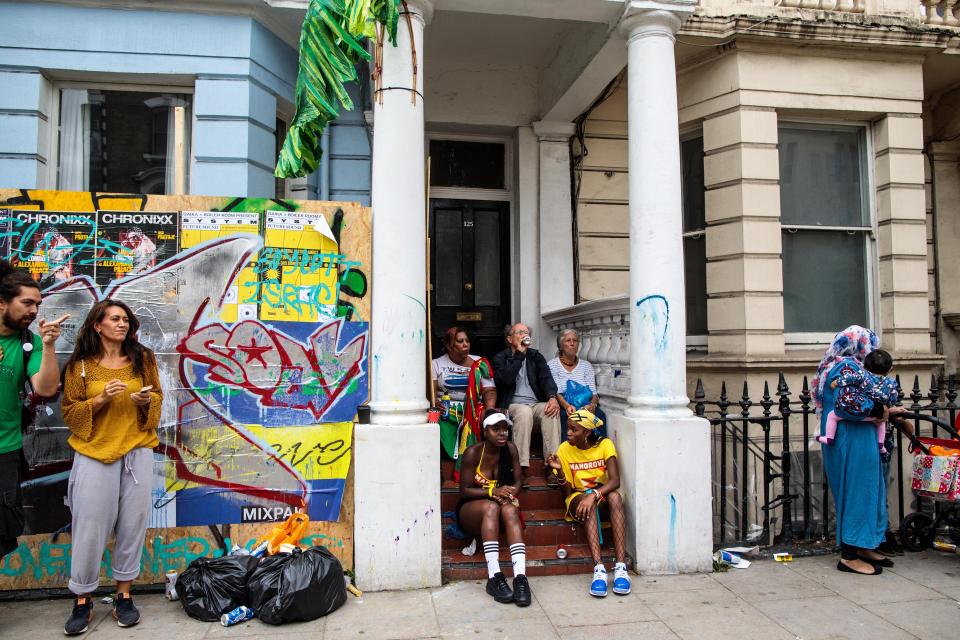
(613, 509)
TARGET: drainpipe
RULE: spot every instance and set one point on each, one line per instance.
(937, 303)
(324, 170)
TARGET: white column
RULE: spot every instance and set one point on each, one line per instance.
(398, 197)
(556, 224)
(397, 480)
(658, 307)
(664, 449)
(527, 237)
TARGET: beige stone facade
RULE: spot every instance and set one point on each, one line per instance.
(740, 80)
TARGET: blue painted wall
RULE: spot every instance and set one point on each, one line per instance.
(24, 125)
(349, 154)
(237, 68)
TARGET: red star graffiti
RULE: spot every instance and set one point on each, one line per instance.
(254, 351)
(328, 368)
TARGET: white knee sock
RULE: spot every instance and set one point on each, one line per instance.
(491, 551)
(518, 554)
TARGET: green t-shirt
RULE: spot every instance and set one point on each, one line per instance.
(12, 379)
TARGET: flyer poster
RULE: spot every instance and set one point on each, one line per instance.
(51, 246)
(298, 268)
(197, 227)
(129, 242)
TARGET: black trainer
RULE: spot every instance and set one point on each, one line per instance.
(124, 611)
(497, 587)
(80, 618)
(521, 591)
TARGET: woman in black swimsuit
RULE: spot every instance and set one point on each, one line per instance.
(489, 486)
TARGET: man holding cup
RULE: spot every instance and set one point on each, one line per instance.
(526, 387)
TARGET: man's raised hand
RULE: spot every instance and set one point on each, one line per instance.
(50, 331)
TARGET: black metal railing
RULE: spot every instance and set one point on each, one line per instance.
(769, 486)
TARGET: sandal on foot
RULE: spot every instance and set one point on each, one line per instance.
(882, 562)
(842, 567)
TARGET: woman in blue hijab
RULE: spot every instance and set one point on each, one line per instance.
(852, 462)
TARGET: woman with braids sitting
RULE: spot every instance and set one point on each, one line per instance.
(590, 478)
(489, 485)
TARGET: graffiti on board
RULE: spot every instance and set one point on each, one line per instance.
(51, 559)
(258, 312)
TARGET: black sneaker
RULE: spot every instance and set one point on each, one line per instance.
(124, 611)
(521, 591)
(80, 618)
(497, 587)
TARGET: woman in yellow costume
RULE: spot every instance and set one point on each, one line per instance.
(587, 462)
(489, 486)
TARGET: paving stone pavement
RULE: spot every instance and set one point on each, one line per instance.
(807, 599)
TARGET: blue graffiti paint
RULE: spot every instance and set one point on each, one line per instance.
(319, 298)
(657, 306)
(672, 538)
(419, 302)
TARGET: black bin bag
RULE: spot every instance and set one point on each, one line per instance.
(295, 587)
(211, 587)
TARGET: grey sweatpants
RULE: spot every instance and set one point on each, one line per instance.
(108, 499)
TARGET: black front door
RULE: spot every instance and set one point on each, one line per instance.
(470, 272)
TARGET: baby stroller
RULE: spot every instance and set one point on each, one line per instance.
(936, 475)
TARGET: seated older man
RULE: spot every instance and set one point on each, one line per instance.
(526, 387)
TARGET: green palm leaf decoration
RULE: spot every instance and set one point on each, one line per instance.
(332, 43)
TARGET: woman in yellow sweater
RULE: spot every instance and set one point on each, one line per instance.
(111, 403)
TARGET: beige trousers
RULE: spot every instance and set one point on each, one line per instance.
(523, 416)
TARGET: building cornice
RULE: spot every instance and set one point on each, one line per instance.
(837, 29)
(260, 10)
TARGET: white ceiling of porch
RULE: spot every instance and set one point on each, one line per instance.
(580, 10)
(502, 70)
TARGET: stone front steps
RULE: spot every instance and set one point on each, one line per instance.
(542, 508)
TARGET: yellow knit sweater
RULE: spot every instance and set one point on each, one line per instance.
(120, 426)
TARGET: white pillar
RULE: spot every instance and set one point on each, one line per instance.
(556, 224)
(397, 457)
(658, 307)
(527, 237)
(665, 450)
(398, 197)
